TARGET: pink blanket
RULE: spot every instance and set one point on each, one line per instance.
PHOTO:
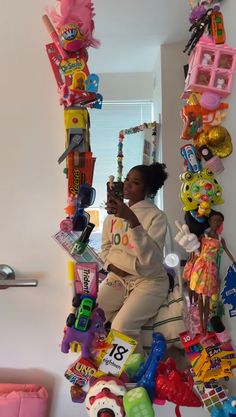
(23, 400)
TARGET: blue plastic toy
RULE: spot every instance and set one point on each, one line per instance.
(188, 152)
(145, 377)
(229, 292)
(92, 83)
(228, 410)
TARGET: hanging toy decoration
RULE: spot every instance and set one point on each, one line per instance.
(228, 293)
(130, 131)
(200, 191)
(217, 139)
(209, 80)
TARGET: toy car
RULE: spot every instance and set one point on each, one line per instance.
(84, 313)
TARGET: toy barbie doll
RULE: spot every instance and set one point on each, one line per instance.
(197, 228)
(193, 296)
(204, 273)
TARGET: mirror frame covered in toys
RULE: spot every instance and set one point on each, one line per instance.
(107, 375)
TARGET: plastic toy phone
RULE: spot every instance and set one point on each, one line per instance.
(115, 188)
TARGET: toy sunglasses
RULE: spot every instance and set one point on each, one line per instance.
(85, 198)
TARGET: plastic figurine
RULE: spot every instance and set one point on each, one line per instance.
(95, 329)
(145, 377)
(207, 59)
(204, 276)
(220, 83)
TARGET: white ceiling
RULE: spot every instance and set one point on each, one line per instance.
(130, 32)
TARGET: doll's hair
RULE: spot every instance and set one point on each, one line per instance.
(199, 228)
(154, 176)
(196, 227)
(214, 213)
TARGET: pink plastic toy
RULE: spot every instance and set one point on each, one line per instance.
(211, 68)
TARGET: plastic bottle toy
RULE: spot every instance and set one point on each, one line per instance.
(81, 244)
(188, 152)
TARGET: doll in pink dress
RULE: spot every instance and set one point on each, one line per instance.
(187, 272)
(204, 274)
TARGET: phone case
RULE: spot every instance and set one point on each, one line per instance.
(117, 190)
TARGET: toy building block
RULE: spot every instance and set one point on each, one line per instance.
(137, 403)
(211, 68)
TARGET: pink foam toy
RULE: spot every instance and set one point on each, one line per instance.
(23, 400)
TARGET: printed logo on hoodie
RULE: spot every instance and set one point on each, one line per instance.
(119, 235)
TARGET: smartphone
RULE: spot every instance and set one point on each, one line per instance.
(117, 190)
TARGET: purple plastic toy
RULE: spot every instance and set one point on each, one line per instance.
(96, 328)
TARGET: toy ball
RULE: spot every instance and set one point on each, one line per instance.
(210, 101)
(71, 37)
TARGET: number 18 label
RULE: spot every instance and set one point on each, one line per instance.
(115, 358)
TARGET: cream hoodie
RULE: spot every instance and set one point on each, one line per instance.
(137, 251)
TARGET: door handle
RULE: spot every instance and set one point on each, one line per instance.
(7, 279)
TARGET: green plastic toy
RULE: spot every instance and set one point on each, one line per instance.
(137, 403)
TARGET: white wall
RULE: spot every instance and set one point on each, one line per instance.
(168, 79)
(126, 86)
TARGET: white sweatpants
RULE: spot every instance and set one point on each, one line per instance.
(128, 310)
